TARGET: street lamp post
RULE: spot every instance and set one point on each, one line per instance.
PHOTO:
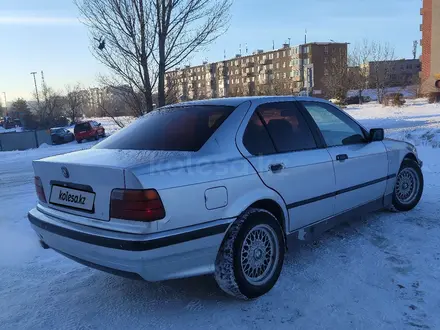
(36, 89)
(6, 103)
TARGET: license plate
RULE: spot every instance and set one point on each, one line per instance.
(73, 198)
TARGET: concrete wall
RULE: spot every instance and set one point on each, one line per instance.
(23, 140)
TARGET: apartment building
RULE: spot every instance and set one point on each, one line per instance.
(285, 71)
(430, 42)
(402, 72)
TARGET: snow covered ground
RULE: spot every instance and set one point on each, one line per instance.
(381, 272)
(408, 92)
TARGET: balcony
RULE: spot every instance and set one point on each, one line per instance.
(421, 11)
(250, 64)
(266, 61)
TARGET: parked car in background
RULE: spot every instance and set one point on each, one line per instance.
(219, 187)
(61, 135)
(12, 123)
(356, 100)
(88, 130)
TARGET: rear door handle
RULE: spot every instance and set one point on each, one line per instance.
(342, 157)
(276, 167)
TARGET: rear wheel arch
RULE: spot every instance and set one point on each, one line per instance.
(273, 207)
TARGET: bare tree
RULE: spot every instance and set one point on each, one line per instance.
(51, 108)
(140, 40)
(74, 102)
(336, 78)
(108, 106)
(358, 62)
(380, 68)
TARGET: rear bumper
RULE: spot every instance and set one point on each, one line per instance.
(167, 255)
(85, 136)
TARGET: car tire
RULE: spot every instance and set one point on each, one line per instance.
(408, 188)
(242, 268)
(79, 141)
(96, 137)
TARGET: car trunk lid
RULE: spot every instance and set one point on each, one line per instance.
(81, 183)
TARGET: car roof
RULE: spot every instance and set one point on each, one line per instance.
(236, 101)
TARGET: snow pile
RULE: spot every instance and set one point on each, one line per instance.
(44, 145)
(417, 121)
(9, 130)
(407, 92)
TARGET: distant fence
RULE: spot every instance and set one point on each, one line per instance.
(24, 140)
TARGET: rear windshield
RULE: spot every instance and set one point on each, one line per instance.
(179, 129)
(81, 127)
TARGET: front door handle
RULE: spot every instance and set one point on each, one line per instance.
(276, 167)
(342, 157)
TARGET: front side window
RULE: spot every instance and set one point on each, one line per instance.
(185, 128)
(287, 127)
(337, 128)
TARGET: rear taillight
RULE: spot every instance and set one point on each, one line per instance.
(39, 189)
(138, 205)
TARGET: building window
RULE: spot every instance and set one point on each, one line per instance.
(325, 60)
(284, 53)
(252, 79)
(325, 72)
(278, 55)
(291, 74)
(278, 65)
(326, 50)
(278, 76)
(252, 69)
(333, 60)
(284, 75)
(271, 56)
(270, 66)
(237, 81)
(284, 64)
(247, 70)
(232, 82)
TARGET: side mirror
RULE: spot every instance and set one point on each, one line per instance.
(99, 124)
(377, 134)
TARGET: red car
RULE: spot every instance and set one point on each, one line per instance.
(88, 130)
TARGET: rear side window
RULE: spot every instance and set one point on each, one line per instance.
(287, 127)
(81, 127)
(256, 139)
(185, 128)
